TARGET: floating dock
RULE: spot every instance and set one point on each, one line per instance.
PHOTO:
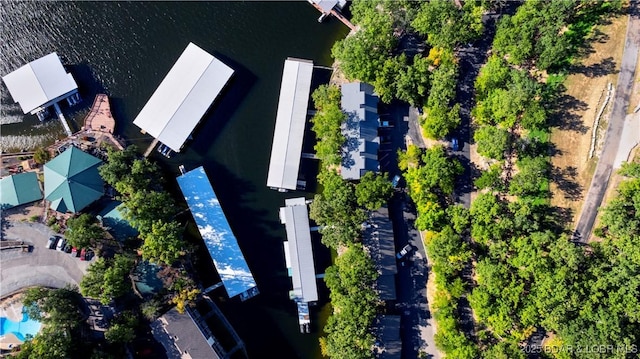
(299, 258)
(291, 118)
(217, 234)
(183, 97)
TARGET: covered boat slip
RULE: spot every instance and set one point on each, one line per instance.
(40, 83)
(183, 97)
(291, 117)
(217, 235)
(298, 249)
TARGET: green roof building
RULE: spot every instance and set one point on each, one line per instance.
(72, 181)
(19, 189)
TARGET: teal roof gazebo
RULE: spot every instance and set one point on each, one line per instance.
(72, 181)
(19, 189)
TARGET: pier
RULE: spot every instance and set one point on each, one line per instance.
(332, 7)
(100, 121)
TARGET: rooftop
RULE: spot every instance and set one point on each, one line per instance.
(360, 129)
(299, 252)
(19, 189)
(216, 233)
(183, 97)
(72, 181)
(387, 329)
(181, 337)
(40, 83)
(380, 241)
(290, 121)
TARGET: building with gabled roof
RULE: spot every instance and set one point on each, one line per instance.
(360, 152)
(72, 181)
(19, 189)
(40, 84)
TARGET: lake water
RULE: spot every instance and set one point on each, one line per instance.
(125, 50)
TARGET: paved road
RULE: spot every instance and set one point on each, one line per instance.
(42, 266)
(614, 129)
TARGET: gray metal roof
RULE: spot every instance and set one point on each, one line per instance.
(299, 252)
(183, 97)
(387, 329)
(378, 237)
(360, 152)
(39, 83)
(290, 121)
(181, 337)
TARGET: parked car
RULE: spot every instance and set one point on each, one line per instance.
(83, 254)
(51, 242)
(74, 252)
(61, 243)
(395, 181)
(454, 144)
(386, 124)
(404, 251)
(88, 255)
(67, 248)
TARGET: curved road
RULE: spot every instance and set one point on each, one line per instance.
(611, 146)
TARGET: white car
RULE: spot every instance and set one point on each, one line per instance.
(404, 251)
(61, 243)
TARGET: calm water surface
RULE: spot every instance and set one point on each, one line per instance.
(125, 50)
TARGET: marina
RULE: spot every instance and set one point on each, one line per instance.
(299, 258)
(183, 97)
(217, 234)
(290, 123)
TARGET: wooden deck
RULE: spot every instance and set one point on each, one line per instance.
(100, 119)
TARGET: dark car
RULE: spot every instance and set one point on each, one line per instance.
(67, 248)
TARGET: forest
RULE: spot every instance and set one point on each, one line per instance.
(527, 275)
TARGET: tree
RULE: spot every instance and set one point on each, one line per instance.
(493, 75)
(49, 343)
(107, 279)
(446, 25)
(490, 178)
(122, 329)
(83, 231)
(41, 156)
(145, 207)
(492, 141)
(459, 217)
(439, 121)
(439, 171)
(373, 191)
(164, 244)
(531, 177)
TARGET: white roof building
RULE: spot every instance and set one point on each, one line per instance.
(40, 83)
(290, 121)
(298, 249)
(183, 97)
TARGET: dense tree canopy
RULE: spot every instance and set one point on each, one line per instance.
(446, 25)
(107, 279)
(373, 191)
(83, 231)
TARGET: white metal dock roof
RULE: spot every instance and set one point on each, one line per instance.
(290, 121)
(39, 82)
(182, 98)
(298, 249)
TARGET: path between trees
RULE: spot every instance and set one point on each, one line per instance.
(613, 134)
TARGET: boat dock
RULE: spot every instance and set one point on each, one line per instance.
(100, 121)
(332, 7)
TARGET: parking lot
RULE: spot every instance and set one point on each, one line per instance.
(40, 266)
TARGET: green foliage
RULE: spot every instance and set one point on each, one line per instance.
(459, 217)
(128, 173)
(494, 74)
(143, 208)
(326, 124)
(531, 177)
(41, 156)
(150, 309)
(492, 141)
(54, 307)
(164, 244)
(448, 254)
(373, 191)
(630, 169)
(83, 231)
(122, 329)
(49, 343)
(336, 210)
(411, 82)
(439, 121)
(446, 25)
(491, 178)
(486, 212)
(353, 298)
(107, 279)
